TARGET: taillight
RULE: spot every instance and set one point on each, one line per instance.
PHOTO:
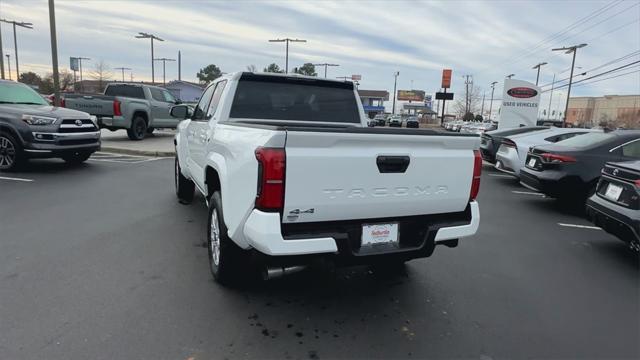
(557, 158)
(271, 171)
(477, 171)
(637, 182)
(509, 143)
(116, 108)
(63, 103)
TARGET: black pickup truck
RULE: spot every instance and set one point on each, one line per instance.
(31, 128)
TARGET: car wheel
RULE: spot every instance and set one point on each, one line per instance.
(227, 261)
(138, 128)
(77, 157)
(184, 187)
(11, 155)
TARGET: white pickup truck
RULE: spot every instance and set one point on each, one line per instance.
(291, 172)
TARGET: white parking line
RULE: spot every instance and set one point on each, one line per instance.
(15, 179)
(526, 193)
(502, 176)
(580, 226)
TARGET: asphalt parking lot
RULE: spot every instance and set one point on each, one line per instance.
(100, 261)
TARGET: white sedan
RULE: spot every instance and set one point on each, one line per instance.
(512, 153)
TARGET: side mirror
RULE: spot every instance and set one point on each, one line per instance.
(181, 112)
(178, 102)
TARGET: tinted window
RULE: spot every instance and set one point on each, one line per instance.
(215, 100)
(203, 104)
(125, 91)
(632, 150)
(17, 93)
(168, 97)
(279, 98)
(156, 94)
(586, 140)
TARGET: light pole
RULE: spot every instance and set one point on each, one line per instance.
(123, 69)
(54, 53)
(1, 55)
(552, 87)
(325, 67)
(538, 67)
(395, 83)
(510, 76)
(164, 62)
(80, 58)
(287, 41)
(152, 37)
(568, 50)
(493, 87)
(15, 40)
(9, 65)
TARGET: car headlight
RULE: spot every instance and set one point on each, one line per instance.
(39, 120)
(94, 120)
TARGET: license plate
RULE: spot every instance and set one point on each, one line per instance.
(379, 234)
(532, 162)
(613, 192)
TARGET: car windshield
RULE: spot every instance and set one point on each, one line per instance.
(17, 93)
(586, 140)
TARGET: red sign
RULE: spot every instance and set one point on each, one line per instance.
(446, 78)
(522, 92)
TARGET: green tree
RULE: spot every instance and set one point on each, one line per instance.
(209, 73)
(273, 68)
(31, 78)
(307, 69)
(468, 116)
(479, 117)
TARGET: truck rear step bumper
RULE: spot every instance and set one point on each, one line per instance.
(264, 232)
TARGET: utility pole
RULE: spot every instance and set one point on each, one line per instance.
(482, 111)
(467, 98)
(15, 40)
(551, 96)
(538, 67)
(152, 37)
(123, 69)
(287, 41)
(570, 49)
(493, 87)
(1, 55)
(325, 67)
(54, 53)
(164, 62)
(510, 76)
(395, 83)
(179, 65)
(9, 65)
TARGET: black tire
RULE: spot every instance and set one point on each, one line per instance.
(231, 262)
(77, 157)
(138, 128)
(150, 130)
(184, 187)
(11, 154)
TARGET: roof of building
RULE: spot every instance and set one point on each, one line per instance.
(182, 82)
(374, 93)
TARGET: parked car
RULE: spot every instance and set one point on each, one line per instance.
(371, 123)
(457, 125)
(570, 169)
(395, 121)
(615, 206)
(412, 122)
(512, 153)
(138, 108)
(490, 141)
(31, 128)
(278, 167)
(380, 120)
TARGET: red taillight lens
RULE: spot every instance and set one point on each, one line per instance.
(637, 182)
(271, 171)
(477, 172)
(63, 103)
(556, 158)
(509, 143)
(116, 108)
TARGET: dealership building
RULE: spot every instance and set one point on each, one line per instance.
(618, 110)
(373, 101)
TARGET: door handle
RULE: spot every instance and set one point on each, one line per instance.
(392, 164)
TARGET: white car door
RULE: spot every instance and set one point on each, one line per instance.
(198, 122)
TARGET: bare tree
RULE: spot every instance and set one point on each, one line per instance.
(252, 68)
(102, 73)
(474, 97)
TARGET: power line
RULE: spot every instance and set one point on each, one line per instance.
(600, 74)
(607, 78)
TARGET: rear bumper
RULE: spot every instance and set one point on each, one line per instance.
(614, 219)
(548, 185)
(114, 122)
(508, 162)
(264, 232)
(487, 154)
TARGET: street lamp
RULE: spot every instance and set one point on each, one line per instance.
(15, 40)
(152, 37)
(123, 69)
(568, 50)
(510, 76)
(493, 87)
(325, 67)
(538, 67)
(287, 41)
(164, 62)
(395, 82)
(9, 65)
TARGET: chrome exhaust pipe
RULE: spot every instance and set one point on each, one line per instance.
(271, 273)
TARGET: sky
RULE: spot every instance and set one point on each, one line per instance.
(485, 39)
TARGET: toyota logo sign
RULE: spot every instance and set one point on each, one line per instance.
(78, 122)
(522, 92)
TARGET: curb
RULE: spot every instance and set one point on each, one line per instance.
(138, 152)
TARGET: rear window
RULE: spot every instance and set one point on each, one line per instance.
(125, 91)
(281, 98)
(586, 140)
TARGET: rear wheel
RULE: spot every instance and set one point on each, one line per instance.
(138, 128)
(77, 157)
(184, 187)
(227, 261)
(10, 153)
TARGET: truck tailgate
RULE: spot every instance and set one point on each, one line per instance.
(99, 105)
(337, 176)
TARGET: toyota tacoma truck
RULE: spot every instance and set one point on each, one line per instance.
(31, 128)
(138, 108)
(291, 172)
